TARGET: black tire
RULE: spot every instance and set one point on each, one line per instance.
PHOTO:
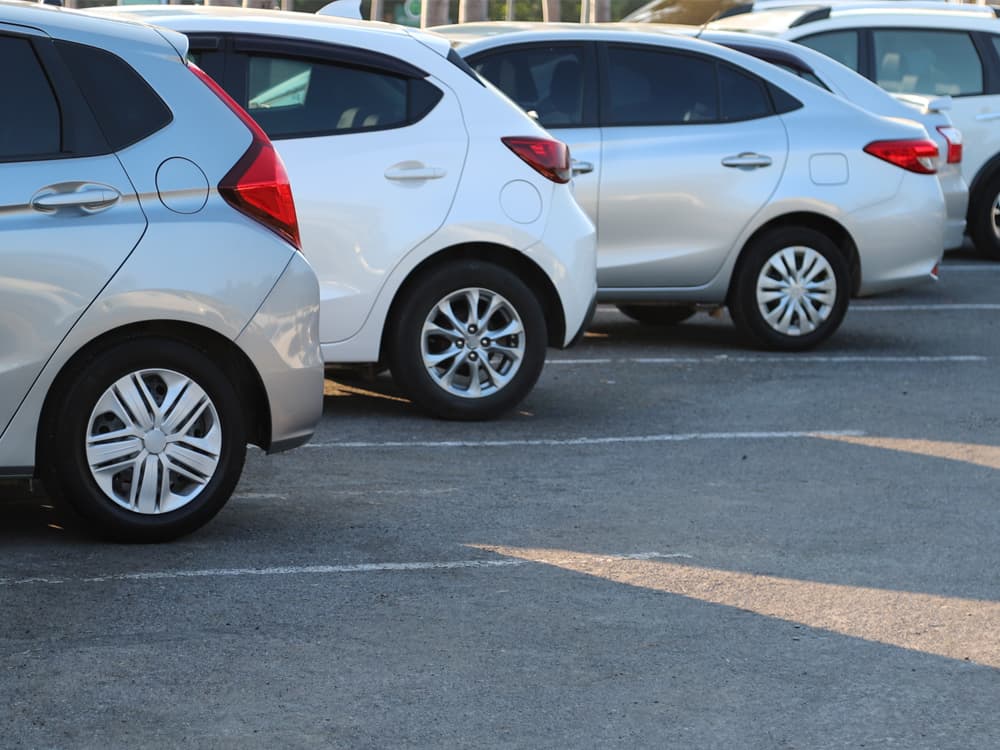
(983, 222)
(796, 334)
(658, 315)
(405, 342)
(71, 419)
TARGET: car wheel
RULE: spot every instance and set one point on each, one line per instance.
(984, 218)
(791, 290)
(146, 442)
(658, 315)
(467, 341)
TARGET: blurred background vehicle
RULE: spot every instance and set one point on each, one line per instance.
(155, 314)
(717, 179)
(437, 214)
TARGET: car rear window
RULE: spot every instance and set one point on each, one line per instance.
(125, 106)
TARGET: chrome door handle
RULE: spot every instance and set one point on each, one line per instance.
(582, 167)
(747, 159)
(90, 199)
(983, 116)
(414, 173)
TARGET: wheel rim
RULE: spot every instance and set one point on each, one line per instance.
(796, 290)
(995, 217)
(154, 441)
(472, 343)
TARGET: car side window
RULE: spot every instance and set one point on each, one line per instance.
(297, 97)
(34, 129)
(842, 46)
(126, 107)
(545, 79)
(742, 96)
(655, 87)
(919, 61)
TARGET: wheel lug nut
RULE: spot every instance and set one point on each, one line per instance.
(485, 342)
(473, 357)
(472, 329)
(460, 343)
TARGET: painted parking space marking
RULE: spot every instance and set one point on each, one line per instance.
(605, 440)
(942, 306)
(302, 570)
(722, 359)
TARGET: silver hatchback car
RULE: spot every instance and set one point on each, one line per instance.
(155, 313)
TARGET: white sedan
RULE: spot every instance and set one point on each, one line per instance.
(717, 179)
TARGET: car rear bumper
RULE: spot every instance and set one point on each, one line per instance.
(282, 340)
(568, 253)
(901, 241)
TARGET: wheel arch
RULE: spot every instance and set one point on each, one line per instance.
(238, 368)
(988, 171)
(501, 255)
(809, 220)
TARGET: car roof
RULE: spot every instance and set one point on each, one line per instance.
(65, 22)
(775, 20)
(194, 18)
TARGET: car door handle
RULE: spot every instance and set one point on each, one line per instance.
(747, 159)
(89, 198)
(415, 172)
(983, 116)
(582, 167)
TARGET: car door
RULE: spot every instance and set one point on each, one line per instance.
(691, 150)
(557, 84)
(68, 215)
(374, 150)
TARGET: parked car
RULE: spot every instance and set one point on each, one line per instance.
(698, 12)
(929, 111)
(717, 179)
(155, 312)
(438, 216)
(950, 51)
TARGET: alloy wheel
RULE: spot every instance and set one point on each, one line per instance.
(473, 342)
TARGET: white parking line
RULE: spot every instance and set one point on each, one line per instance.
(722, 359)
(296, 570)
(924, 308)
(667, 438)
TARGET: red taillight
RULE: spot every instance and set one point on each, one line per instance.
(547, 157)
(915, 155)
(257, 185)
(954, 137)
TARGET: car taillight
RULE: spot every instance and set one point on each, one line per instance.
(915, 155)
(547, 157)
(954, 137)
(257, 185)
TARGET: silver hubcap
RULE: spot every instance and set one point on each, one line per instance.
(153, 441)
(473, 343)
(796, 291)
(995, 215)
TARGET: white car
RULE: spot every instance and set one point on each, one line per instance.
(929, 111)
(935, 51)
(437, 214)
(715, 178)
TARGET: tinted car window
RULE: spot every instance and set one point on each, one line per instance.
(126, 107)
(34, 130)
(742, 96)
(546, 80)
(927, 62)
(293, 97)
(842, 46)
(653, 87)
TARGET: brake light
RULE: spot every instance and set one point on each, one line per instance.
(257, 185)
(914, 155)
(548, 157)
(954, 137)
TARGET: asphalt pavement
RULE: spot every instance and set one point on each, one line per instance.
(676, 542)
